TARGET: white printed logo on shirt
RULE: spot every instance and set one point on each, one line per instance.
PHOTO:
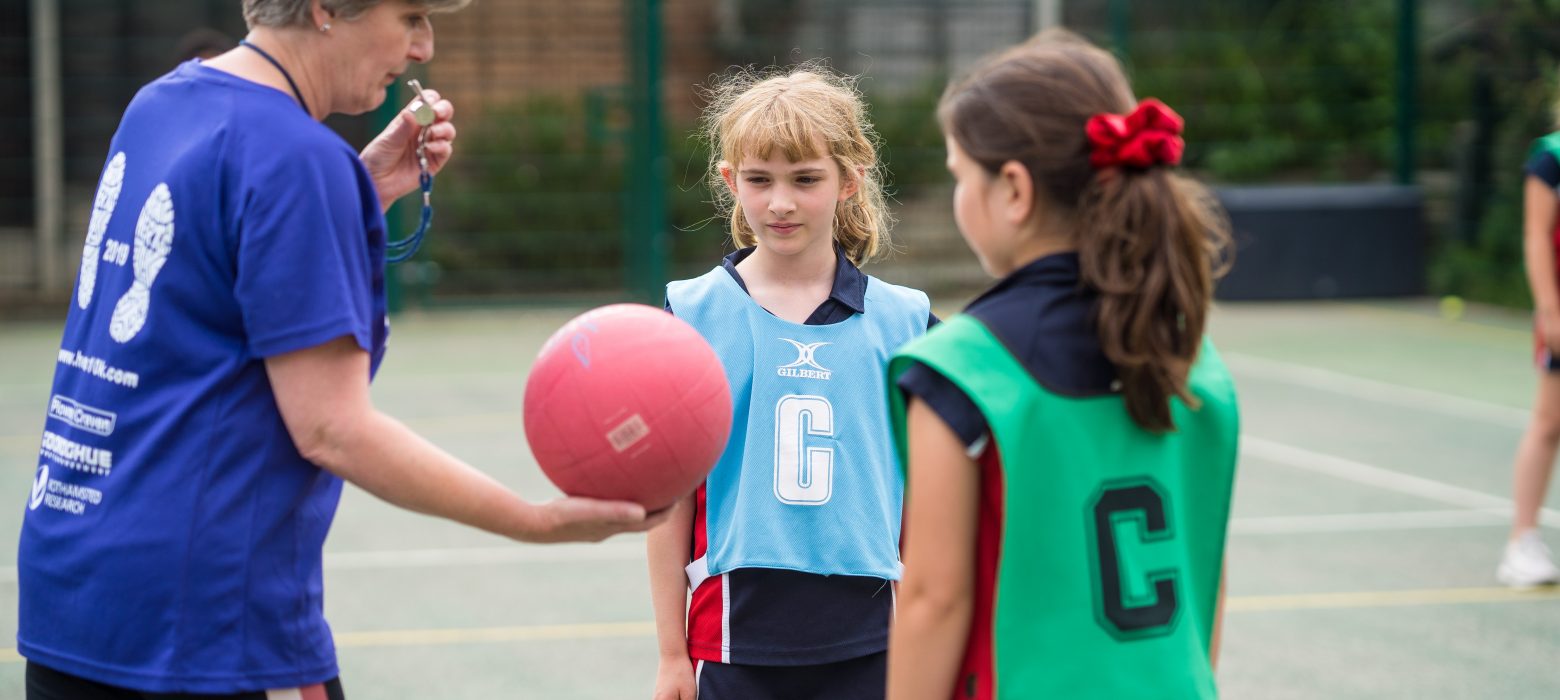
(102, 211)
(40, 486)
(153, 242)
(80, 415)
(806, 356)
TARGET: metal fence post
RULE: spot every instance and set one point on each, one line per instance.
(1120, 25)
(1407, 88)
(1047, 14)
(645, 217)
(49, 145)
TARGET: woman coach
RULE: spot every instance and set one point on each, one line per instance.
(212, 390)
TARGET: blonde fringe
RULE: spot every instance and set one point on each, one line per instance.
(797, 109)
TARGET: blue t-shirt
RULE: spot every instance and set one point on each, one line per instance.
(173, 535)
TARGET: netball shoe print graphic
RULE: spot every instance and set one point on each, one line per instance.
(153, 242)
(102, 210)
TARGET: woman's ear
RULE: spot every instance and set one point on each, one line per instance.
(322, 17)
(1017, 194)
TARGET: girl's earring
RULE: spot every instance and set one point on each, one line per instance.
(325, 27)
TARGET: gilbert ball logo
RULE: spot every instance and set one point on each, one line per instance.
(40, 485)
(806, 364)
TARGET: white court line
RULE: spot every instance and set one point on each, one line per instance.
(1370, 522)
(380, 560)
(1380, 392)
(1477, 510)
(1370, 475)
(1238, 604)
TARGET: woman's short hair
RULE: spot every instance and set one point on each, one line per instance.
(296, 13)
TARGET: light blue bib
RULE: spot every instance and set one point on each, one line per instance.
(809, 480)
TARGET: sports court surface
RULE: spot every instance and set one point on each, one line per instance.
(1369, 514)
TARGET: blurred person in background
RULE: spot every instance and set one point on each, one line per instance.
(1527, 562)
(203, 43)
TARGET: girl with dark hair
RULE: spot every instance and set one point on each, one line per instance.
(1070, 439)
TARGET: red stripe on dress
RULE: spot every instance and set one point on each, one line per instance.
(705, 611)
(977, 672)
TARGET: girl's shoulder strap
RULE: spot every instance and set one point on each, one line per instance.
(695, 289)
(909, 298)
(1547, 144)
(958, 346)
(954, 332)
(1210, 378)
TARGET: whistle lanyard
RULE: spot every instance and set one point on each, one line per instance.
(402, 250)
(296, 92)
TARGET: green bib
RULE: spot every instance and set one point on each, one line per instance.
(1112, 537)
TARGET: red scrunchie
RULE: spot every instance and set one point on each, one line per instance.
(1150, 135)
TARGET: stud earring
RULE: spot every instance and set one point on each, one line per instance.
(325, 27)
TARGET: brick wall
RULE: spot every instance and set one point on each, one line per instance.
(497, 51)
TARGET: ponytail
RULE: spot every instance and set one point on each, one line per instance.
(1149, 242)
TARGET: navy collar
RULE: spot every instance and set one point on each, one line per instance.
(850, 283)
(1054, 269)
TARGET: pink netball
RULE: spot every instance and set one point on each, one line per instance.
(627, 402)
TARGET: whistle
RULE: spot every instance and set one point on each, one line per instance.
(423, 112)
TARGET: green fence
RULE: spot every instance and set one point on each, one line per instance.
(568, 182)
